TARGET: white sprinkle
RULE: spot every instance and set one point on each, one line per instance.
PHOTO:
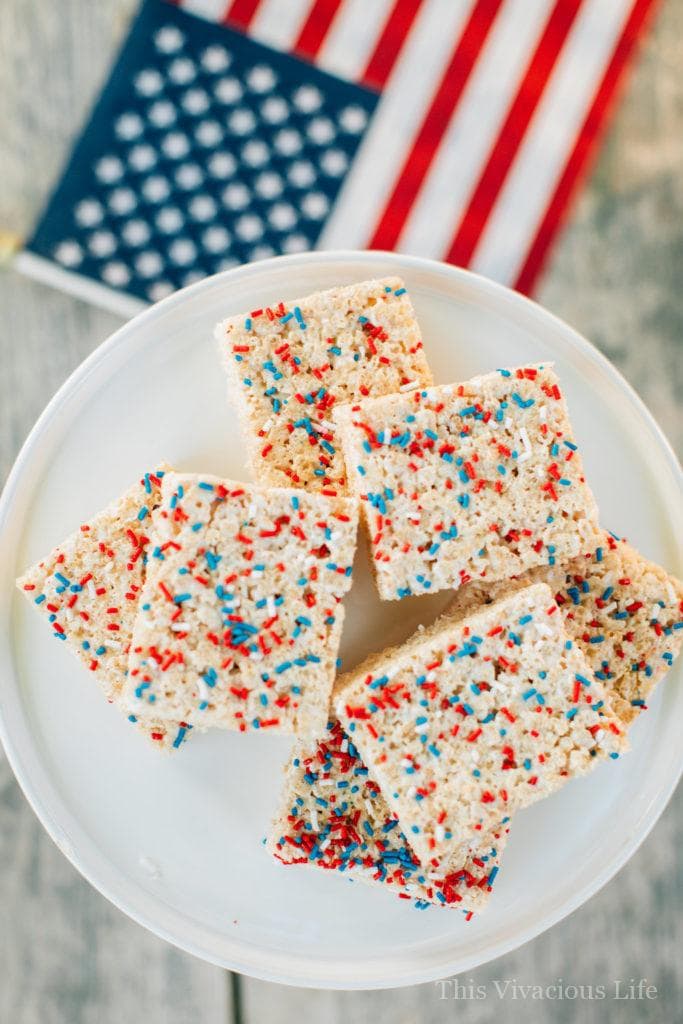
(543, 628)
(204, 693)
(524, 437)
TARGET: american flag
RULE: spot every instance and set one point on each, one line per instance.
(227, 132)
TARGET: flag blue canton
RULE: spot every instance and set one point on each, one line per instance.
(205, 150)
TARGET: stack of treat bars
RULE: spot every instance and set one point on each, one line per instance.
(200, 602)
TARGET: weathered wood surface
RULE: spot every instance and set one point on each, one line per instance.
(66, 955)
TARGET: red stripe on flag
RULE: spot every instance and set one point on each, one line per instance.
(586, 146)
(315, 28)
(536, 77)
(426, 143)
(240, 13)
(390, 42)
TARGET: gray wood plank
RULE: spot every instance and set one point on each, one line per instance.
(53, 57)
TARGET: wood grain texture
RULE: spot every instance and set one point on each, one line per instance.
(66, 955)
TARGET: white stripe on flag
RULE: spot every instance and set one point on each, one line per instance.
(473, 128)
(521, 203)
(352, 37)
(212, 10)
(84, 288)
(396, 121)
(278, 24)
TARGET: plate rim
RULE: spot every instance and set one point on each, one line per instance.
(139, 903)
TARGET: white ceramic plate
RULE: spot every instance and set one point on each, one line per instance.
(176, 842)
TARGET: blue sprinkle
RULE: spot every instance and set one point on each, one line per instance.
(179, 737)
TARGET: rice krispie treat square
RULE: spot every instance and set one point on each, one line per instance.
(88, 588)
(288, 365)
(334, 816)
(624, 612)
(471, 720)
(241, 614)
(467, 481)
(626, 615)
